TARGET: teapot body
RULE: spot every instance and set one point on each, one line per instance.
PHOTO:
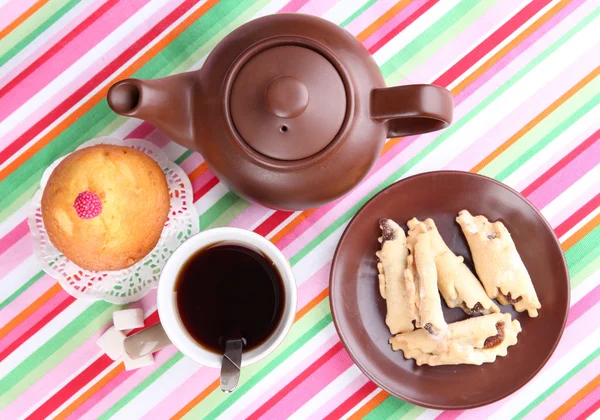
(288, 110)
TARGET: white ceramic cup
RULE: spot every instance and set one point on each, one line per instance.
(144, 342)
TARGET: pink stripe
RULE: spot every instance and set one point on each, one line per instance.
(13, 257)
(584, 404)
(81, 357)
(250, 216)
(142, 131)
(286, 379)
(184, 393)
(158, 138)
(466, 41)
(94, 68)
(564, 178)
(43, 47)
(575, 141)
(119, 387)
(575, 204)
(315, 284)
(191, 162)
(334, 367)
(65, 57)
(10, 11)
(387, 27)
(317, 7)
(572, 336)
(471, 99)
(369, 16)
(448, 415)
(493, 138)
(293, 6)
(202, 179)
(336, 400)
(14, 236)
(32, 293)
(33, 319)
(566, 391)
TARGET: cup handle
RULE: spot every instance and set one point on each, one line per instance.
(146, 341)
(412, 109)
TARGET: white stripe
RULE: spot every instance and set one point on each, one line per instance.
(317, 257)
(502, 44)
(548, 376)
(326, 394)
(129, 124)
(14, 219)
(429, 415)
(342, 10)
(526, 87)
(17, 277)
(173, 150)
(103, 84)
(391, 48)
(282, 371)
(39, 46)
(586, 182)
(585, 287)
(43, 335)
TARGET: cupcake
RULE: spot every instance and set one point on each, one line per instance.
(104, 207)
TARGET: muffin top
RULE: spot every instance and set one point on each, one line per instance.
(104, 207)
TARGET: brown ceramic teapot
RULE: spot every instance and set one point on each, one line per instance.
(289, 110)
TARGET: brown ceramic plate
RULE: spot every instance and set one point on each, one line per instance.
(359, 311)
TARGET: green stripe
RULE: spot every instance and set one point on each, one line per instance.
(388, 407)
(357, 13)
(557, 385)
(55, 350)
(37, 23)
(445, 135)
(414, 412)
(229, 214)
(585, 272)
(183, 157)
(584, 251)
(20, 290)
(212, 214)
(141, 387)
(433, 39)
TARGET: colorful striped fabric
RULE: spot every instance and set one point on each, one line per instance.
(526, 81)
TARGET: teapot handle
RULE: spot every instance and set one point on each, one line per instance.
(412, 109)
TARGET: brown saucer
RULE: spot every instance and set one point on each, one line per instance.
(359, 311)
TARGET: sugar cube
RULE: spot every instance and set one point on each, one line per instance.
(131, 364)
(111, 343)
(128, 319)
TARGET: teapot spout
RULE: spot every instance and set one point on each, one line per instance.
(165, 103)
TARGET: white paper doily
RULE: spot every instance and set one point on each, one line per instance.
(130, 284)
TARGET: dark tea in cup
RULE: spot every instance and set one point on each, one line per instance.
(229, 290)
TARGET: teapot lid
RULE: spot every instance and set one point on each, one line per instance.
(288, 102)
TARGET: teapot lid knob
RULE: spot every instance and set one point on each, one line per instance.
(287, 97)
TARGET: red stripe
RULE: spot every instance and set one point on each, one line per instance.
(297, 381)
(85, 377)
(352, 401)
(396, 30)
(490, 42)
(58, 46)
(91, 84)
(591, 410)
(272, 222)
(66, 392)
(578, 216)
(205, 188)
(561, 164)
(38, 326)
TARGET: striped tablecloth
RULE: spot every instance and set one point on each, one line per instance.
(525, 76)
